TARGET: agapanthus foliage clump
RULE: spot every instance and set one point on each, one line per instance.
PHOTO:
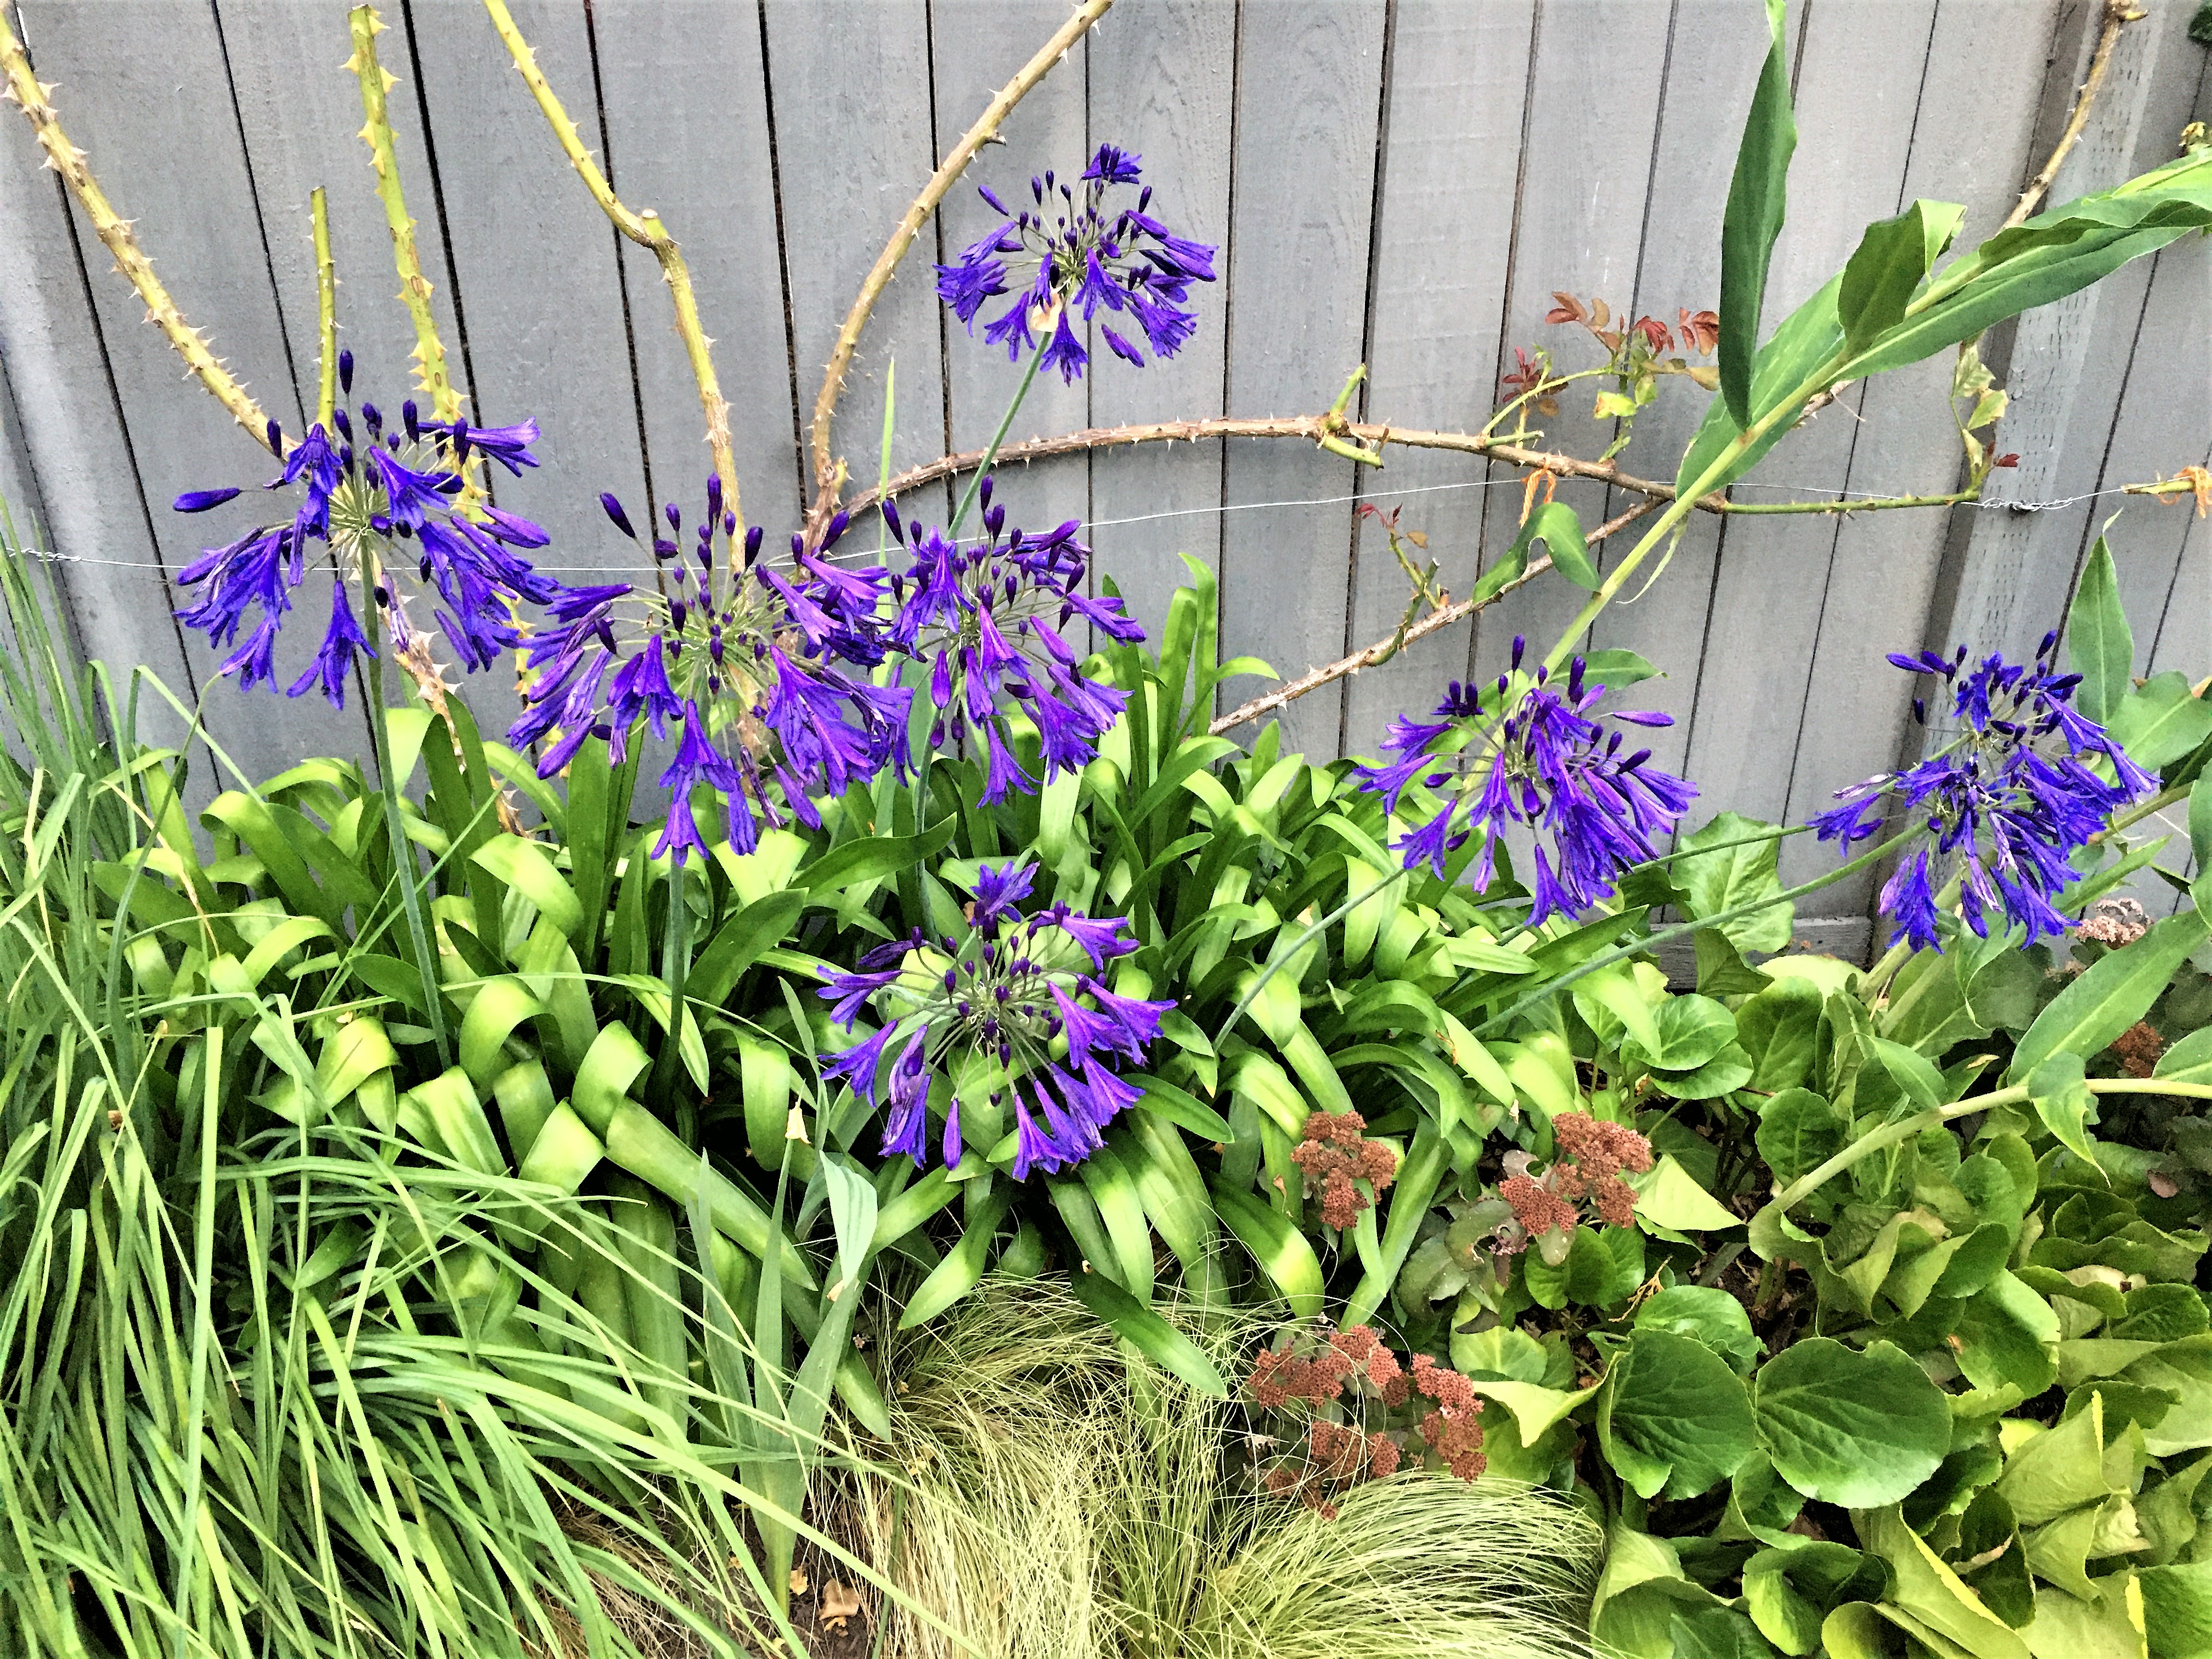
(1530, 753)
(391, 496)
(754, 664)
(1583, 1182)
(1012, 1017)
(1343, 1169)
(1073, 249)
(1362, 1414)
(2020, 786)
(989, 621)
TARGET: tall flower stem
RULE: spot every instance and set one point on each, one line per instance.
(430, 369)
(991, 450)
(402, 850)
(829, 476)
(647, 230)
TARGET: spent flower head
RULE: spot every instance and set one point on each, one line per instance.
(1074, 249)
(987, 621)
(755, 663)
(1012, 1014)
(384, 495)
(1534, 757)
(2023, 781)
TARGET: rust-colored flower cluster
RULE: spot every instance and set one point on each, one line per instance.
(1592, 1153)
(1336, 1156)
(1354, 1370)
(2138, 1049)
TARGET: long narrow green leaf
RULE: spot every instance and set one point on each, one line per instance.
(1756, 206)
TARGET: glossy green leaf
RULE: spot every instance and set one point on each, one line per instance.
(1669, 1198)
(1894, 257)
(2159, 721)
(1757, 202)
(871, 858)
(1848, 1427)
(963, 1267)
(1276, 1244)
(1731, 861)
(1146, 1332)
(1672, 1417)
(1704, 1314)
(2189, 1060)
(2116, 991)
(1604, 1266)
(2100, 646)
(1554, 524)
(526, 867)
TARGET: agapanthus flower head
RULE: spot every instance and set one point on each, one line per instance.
(1531, 753)
(1012, 1014)
(1073, 250)
(754, 662)
(2023, 783)
(989, 619)
(387, 495)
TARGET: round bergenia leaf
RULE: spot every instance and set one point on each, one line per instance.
(1707, 1315)
(1692, 1030)
(1856, 1429)
(1673, 1416)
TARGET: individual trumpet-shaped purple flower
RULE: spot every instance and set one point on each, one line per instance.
(1076, 251)
(1538, 759)
(2025, 783)
(752, 660)
(391, 498)
(989, 619)
(1011, 1015)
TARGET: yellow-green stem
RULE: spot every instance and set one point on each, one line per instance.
(326, 311)
(647, 230)
(430, 370)
(19, 87)
(1890, 1134)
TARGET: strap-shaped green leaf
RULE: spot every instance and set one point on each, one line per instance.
(564, 1153)
(1146, 1332)
(871, 859)
(525, 1099)
(1276, 1244)
(641, 1144)
(615, 1060)
(526, 867)
(737, 943)
(497, 1007)
(1885, 271)
(1121, 1207)
(962, 1269)
(1757, 202)
(1418, 1177)
(1179, 1106)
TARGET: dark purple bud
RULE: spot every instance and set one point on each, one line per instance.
(674, 514)
(752, 545)
(344, 423)
(891, 518)
(412, 420)
(1920, 711)
(380, 523)
(997, 206)
(373, 418)
(714, 495)
(345, 372)
(1144, 198)
(198, 500)
(1520, 645)
(1037, 188)
(2049, 640)
(983, 493)
(837, 523)
(665, 548)
(994, 518)
(615, 512)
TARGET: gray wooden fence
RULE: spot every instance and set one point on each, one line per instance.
(1399, 182)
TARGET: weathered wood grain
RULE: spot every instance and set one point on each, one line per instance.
(1308, 92)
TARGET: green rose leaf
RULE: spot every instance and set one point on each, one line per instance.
(1672, 1417)
(1858, 1428)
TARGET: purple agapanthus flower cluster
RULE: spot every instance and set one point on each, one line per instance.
(381, 492)
(988, 620)
(752, 662)
(2011, 800)
(1536, 759)
(1078, 251)
(1012, 1015)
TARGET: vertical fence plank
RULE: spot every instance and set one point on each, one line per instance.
(1161, 76)
(1593, 117)
(977, 46)
(850, 102)
(540, 300)
(1969, 145)
(1459, 78)
(685, 95)
(1308, 86)
(163, 138)
(1717, 50)
(1856, 110)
